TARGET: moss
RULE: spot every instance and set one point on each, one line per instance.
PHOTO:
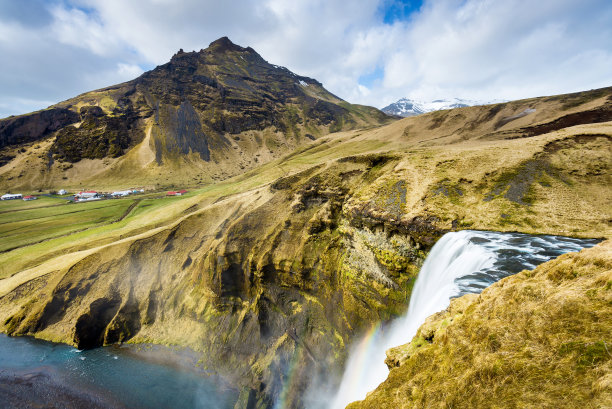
(586, 354)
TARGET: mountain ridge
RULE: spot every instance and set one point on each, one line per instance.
(219, 111)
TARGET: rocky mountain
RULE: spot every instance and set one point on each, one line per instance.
(212, 114)
(406, 107)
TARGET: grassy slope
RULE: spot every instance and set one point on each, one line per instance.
(541, 338)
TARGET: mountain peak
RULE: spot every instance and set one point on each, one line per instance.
(224, 44)
(409, 107)
(217, 47)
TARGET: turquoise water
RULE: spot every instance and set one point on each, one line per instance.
(116, 375)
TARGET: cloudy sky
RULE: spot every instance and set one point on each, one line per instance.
(365, 51)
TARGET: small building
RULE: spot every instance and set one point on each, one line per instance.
(86, 199)
(87, 194)
(28, 198)
(10, 196)
(121, 193)
(177, 193)
(62, 192)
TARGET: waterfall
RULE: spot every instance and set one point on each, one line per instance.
(459, 263)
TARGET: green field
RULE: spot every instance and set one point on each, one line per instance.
(42, 201)
(31, 232)
(21, 226)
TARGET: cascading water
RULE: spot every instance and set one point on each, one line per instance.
(459, 263)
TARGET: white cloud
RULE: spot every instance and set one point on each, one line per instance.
(507, 50)
(478, 49)
(129, 71)
(77, 28)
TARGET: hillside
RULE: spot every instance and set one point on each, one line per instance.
(201, 117)
(272, 273)
(541, 338)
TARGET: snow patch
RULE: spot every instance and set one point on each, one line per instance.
(410, 107)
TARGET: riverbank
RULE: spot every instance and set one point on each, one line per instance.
(41, 388)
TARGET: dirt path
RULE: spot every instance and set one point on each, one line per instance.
(127, 211)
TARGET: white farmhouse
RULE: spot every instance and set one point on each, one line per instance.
(10, 196)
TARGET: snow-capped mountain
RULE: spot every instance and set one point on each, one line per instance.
(410, 107)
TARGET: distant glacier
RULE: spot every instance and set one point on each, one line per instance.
(410, 107)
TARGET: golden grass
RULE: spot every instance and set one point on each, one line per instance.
(541, 338)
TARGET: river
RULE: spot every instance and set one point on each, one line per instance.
(35, 373)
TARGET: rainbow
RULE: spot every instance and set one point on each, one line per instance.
(356, 372)
(289, 378)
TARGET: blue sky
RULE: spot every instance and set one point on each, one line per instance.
(369, 52)
(393, 11)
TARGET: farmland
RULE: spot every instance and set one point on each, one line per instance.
(24, 226)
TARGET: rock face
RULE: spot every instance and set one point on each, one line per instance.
(98, 135)
(539, 338)
(225, 105)
(15, 131)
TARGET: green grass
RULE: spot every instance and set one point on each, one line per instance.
(42, 201)
(24, 227)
